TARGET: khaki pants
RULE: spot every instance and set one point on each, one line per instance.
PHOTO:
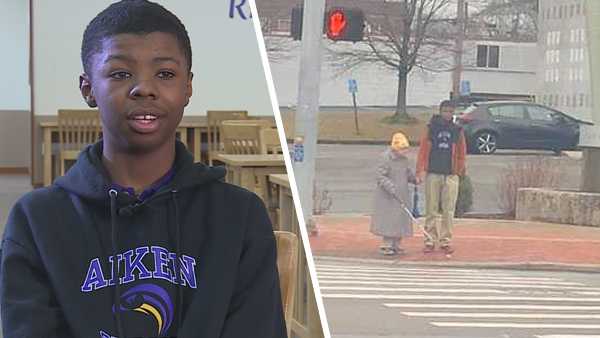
(438, 188)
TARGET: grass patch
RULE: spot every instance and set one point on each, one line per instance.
(400, 119)
(340, 126)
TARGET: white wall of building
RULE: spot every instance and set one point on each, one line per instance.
(377, 86)
(563, 75)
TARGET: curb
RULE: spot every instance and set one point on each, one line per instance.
(356, 142)
(525, 266)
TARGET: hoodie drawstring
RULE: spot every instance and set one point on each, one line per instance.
(115, 267)
(178, 261)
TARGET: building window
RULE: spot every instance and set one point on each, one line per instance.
(578, 10)
(572, 10)
(560, 12)
(284, 25)
(581, 100)
(488, 56)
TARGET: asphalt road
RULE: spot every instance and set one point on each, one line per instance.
(382, 300)
(347, 172)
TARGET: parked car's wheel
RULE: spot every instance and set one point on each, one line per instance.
(485, 142)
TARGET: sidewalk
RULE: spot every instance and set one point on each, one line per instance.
(476, 241)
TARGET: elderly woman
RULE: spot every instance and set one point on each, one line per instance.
(391, 219)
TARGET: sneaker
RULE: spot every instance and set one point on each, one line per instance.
(388, 251)
(428, 248)
(447, 249)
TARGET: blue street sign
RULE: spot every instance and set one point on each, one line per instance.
(465, 88)
(352, 86)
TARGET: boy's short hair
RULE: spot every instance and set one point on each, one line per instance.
(134, 17)
(447, 104)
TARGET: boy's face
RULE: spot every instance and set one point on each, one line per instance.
(141, 85)
(447, 112)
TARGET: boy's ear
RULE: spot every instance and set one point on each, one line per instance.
(188, 88)
(85, 86)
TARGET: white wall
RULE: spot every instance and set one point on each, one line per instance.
(14, 39)
(227, 69)
(377, 86)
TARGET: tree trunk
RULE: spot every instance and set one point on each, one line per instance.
(401, 97)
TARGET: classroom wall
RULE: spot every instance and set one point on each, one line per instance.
(15, 139)
(227, 68)
(226, 60)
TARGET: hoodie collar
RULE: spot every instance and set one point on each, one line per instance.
(89, 179)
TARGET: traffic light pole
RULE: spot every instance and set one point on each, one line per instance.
(459, 48)
(306, 120)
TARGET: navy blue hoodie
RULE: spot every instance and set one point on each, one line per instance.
(59, 271)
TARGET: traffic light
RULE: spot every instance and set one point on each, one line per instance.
(296, 25)
(345, 24)
(340, 24)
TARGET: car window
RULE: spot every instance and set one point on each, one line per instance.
(540, 114)
(508, 111)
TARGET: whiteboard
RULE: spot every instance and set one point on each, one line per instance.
(228, 72)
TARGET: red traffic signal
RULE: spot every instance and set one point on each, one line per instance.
(336, 24)
(341, 24)
(344, 24)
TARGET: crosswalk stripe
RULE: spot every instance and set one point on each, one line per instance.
(431, 274)
(491, 298)
(433, 278)
(517, 325)
(587, 293)
(567, 336)
(502, 315)
(436, 284)
(350, 288)
(404, 269)
(495, 306)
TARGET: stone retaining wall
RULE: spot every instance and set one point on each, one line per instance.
(556, 206)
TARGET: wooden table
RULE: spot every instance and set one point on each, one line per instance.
(246, 170)
(305, 321)
(197, 124)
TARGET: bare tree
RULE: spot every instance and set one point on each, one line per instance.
(403, 35)
(514, 20)
(280, 48)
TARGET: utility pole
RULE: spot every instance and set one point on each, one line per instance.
(307, 111)
(591, 155)
(459, 43)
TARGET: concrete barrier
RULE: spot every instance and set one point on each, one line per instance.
(558, 206)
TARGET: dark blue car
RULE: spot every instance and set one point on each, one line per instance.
(495, 125)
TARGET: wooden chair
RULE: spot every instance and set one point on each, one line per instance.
(287, 265)
(264, 123)
(76, 129)
(269, 141)
(240, 139)
(214, 120)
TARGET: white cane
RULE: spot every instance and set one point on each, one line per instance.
(414, 220)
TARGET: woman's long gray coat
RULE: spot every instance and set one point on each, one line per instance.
(392, 176)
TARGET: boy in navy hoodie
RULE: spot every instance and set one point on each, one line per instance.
(137, 240)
